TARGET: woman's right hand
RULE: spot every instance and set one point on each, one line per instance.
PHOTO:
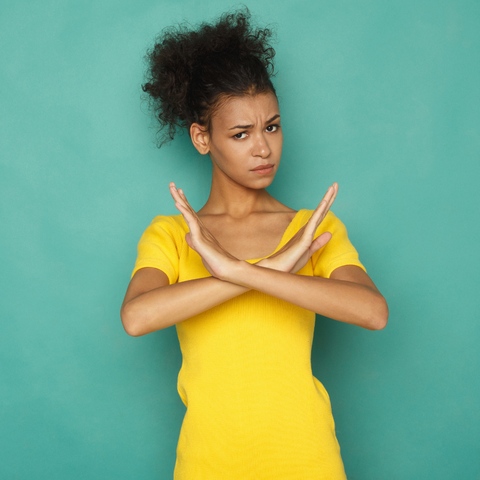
(294, 255)
(216, 259)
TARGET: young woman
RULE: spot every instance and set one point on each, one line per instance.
(243, 277)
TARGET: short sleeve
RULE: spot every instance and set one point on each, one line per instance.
(337, 252)
(159, 247)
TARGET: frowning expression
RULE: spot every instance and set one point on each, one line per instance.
(246, 139)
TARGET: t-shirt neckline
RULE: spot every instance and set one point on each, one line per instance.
(282, 240)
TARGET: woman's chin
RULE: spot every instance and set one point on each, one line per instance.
(262, 182)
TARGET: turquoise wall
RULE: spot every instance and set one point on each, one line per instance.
(381, 96)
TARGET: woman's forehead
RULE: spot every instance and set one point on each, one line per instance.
(246, 109)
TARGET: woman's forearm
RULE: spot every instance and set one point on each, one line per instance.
(171, 304)
(340, 300)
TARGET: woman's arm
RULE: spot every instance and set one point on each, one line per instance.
(152, 304)
(349, 295)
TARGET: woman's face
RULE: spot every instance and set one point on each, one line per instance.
(245, 141)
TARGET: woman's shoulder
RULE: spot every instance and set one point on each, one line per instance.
(169, 222)
(165, 228)
(304, 215)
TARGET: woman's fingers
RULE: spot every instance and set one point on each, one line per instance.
(333, 196)
(192, 211)
(322, 210)
(180, 198)
(190, 218)
(330, 196)
(174, 193)
(193, 220)
(184, 198)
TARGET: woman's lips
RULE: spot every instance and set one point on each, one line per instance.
(263, 169)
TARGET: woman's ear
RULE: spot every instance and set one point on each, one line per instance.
(200, 138)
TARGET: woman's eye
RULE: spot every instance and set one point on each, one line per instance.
(238, 135)
(270, 129)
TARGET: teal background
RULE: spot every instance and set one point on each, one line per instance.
(381, 96)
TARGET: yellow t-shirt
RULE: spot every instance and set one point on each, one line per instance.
(254, 409)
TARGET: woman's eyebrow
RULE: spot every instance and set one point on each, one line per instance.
(250, 126)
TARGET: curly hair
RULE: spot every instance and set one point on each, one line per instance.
(192, 71)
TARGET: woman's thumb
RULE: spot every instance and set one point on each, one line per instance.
(188, 239)
(320, 242)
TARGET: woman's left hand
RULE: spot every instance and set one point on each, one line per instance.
(294, 255)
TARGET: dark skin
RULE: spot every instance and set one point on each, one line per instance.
(240, 221)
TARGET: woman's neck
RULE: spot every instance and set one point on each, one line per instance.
(229, 198)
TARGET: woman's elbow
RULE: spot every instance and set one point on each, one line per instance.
(379, 317)
(130, 321)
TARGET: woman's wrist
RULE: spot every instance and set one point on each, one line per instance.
(263, 263)
(270, 263)
(239, 272)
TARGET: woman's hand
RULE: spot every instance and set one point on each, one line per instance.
(216, 259)
(294, 255)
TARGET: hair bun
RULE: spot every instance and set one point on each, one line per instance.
(189, 70)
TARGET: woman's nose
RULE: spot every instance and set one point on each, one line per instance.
(261, 147)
